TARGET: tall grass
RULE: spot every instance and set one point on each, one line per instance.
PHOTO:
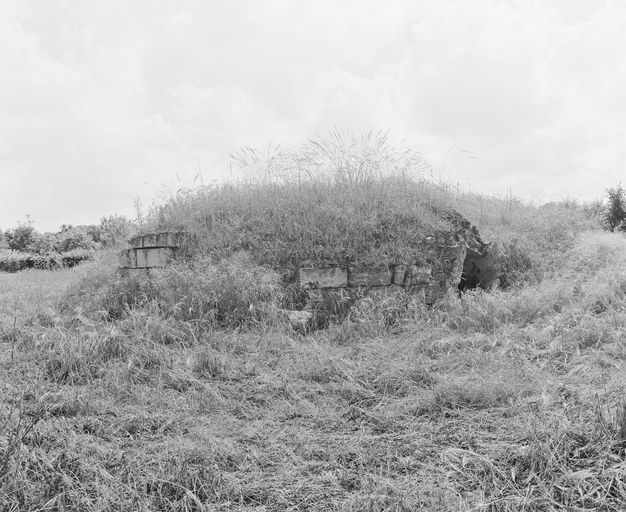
(230, 293)
(332, 201)
(178, 390)
(344, 199)
(504, 401)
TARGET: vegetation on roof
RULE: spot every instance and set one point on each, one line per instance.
(354, 199)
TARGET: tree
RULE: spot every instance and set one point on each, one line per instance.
(22, 237)
(615, 215)
(115, 230)
(76, 237)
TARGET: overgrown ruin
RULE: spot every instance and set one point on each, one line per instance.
(456, 259)
(442, 262)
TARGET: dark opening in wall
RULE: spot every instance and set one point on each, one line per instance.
(480, 269)
(470, 278)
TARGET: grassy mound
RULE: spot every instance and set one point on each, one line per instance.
(330, 202)
(359, 200)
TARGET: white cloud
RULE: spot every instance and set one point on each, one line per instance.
(102, 101)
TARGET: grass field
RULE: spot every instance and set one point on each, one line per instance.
(505, 401)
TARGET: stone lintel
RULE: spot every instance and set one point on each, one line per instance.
(328, 277)
(380, 275)
(164, 239)
(146, 257)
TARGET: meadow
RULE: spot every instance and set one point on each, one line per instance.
(504, 401)
(187, 390)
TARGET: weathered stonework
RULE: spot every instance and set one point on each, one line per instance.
(327, 277)
(443, 262)
(164, 239)
(370, 276)
(152, 250)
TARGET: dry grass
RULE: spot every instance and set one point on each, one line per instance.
(509, 401)
(343, 199)
(186, 391)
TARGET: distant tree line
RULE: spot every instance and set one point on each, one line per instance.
(112, 230)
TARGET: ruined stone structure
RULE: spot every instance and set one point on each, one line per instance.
(444, 261)
(152, 250)
(447, 260)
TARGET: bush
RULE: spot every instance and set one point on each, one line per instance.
(70, 238)
(115, 230)
(15, 261)
(75, 256)
(615, 214)
(21, 238)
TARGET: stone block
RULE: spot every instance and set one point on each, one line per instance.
(328, 277)
(410, 275)
(399, 272)
(370, 276)
(418, 276)
(149, 240)
(142, 257)
(136, 241)
(164, 239)
(151, 257)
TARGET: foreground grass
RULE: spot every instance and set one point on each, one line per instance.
(509, 401)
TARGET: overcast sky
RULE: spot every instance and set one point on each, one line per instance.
(102, 101)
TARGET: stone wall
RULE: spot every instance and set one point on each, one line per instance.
(443, 262)
(435, 269)
(152, 250)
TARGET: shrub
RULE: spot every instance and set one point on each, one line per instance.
(14, 261)
(75, 256)
(615, 214)
(115, 230)
(71, 238)
(21, 238)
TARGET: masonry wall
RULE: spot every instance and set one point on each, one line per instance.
(153, 250)
(431, 272)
